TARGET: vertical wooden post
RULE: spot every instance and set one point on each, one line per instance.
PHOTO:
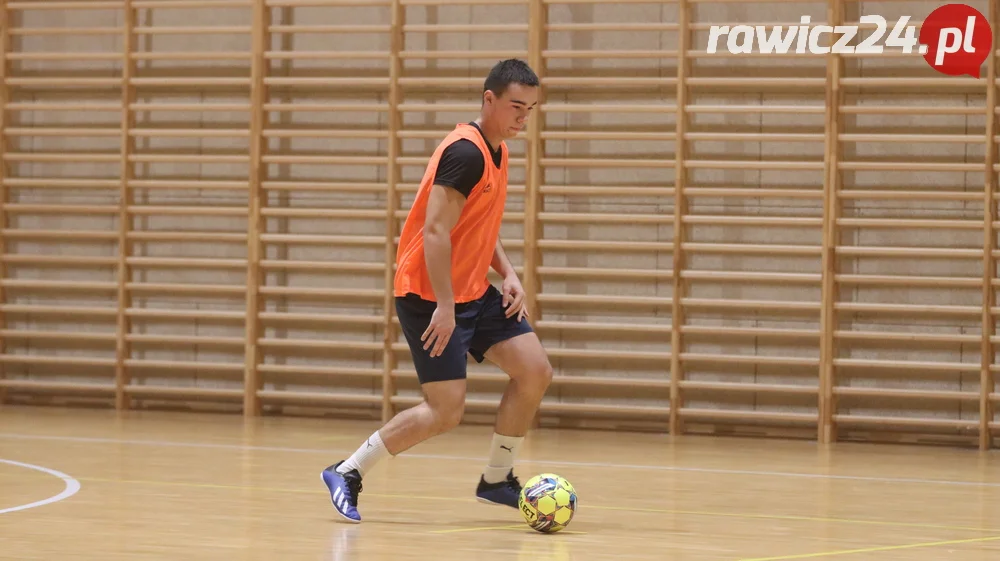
(391, 204)
(255, 199)
(680, 211)
(126, 175)
(537, 18)
(828, 323)
(4, 171)
(989, 240)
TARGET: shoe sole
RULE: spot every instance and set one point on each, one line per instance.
(341, 514)
(489, 502)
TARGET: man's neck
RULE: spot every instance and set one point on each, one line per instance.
(491, 135)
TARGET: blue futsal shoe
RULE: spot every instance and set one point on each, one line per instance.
(505, 492)
(344, 491)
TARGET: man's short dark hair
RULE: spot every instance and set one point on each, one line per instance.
(507, 72)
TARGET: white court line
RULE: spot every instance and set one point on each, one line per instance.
(330, 451)
(72, 486)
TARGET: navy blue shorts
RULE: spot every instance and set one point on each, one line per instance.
(479, 325)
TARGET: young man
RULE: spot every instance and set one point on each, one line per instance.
(446, 306)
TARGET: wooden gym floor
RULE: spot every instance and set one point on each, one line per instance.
(154, 485)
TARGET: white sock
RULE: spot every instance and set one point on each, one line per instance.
(503, 450)
(366, 456)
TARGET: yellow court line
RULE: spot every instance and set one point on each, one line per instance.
(587, 506)
(872, 549)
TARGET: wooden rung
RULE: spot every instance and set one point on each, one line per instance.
(139, 364)
(63, 82)
(908, 309)
(62, 131)
(71, 56)
(751, 249)
(599, 273)
(760, 305)
(920, 338)
(914, 138)
(64, 236)
(58, 335)
(186, 236)
(603, 218)
(327, 107)
(749, 388)
(318, 398)
(602, 327)
(162, 106)
(747, 415)
(324, 133)
(909, 166)
(326, 186)
(608, 354)
(348, 371)
(903, 280)
(752, 277)
(36, 386)
(183, 288)
(759, 81)
(754, 136)
(309, 292)
(317, 239)
(325, 344)
(325, 3)
(326, 266)
(590, 54)
(192, 30)
(37, 31)
(56, 360)
(916, 252)
(471, 54)
(885, 421)
(321, 159)
(936, 395)
(75, 5)
(180, 314)
(754, 332)
(910, 223)
(607, 135)
(769, 109)
(194, 133)
(608, 108)
(87, 312)
(185, 340)
(600, 299)
(327, 81)
(26, 208)
(333, 29)
(615, 246)
(186, 262)
(61, 183)
(292, 317)
(955, 83)
(214, 184)
(92, 157)
(595, 191)
(332, 213)
(909, 365)
(748, 359)
(879, 194)
(774, 165)
(911, 109)
(548, 407)
(606, 163)
(464, 28)
(612, 26)
(138, 391)
(754, 220)
(58, 260)
(327, 55)
(197, 82)
(150, 210)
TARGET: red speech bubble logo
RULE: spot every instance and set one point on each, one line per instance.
(955, 39)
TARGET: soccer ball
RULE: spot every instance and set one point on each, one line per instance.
(547, 502)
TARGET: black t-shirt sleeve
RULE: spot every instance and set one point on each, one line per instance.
(461, 166)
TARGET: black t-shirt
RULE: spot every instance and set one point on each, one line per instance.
(461, 164)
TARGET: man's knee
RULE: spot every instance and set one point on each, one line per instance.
(447, 401)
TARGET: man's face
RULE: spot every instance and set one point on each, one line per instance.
(511, 110)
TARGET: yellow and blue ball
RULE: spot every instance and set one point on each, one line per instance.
(547, 502)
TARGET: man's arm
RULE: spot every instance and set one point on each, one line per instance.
(501, 264)
(443, 209)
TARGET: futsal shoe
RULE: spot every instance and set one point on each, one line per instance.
(505, 492)
(344, 490)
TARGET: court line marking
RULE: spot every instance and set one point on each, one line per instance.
(565, 463)
(487, 528)
(873, 549)
(792, 518)
(72, 486)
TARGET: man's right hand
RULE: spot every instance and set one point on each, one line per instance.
(439, 330)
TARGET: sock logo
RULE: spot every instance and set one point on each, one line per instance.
(369, 442)
(511, 450)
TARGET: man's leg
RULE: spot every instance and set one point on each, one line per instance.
(442, 380)
(515, 348)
